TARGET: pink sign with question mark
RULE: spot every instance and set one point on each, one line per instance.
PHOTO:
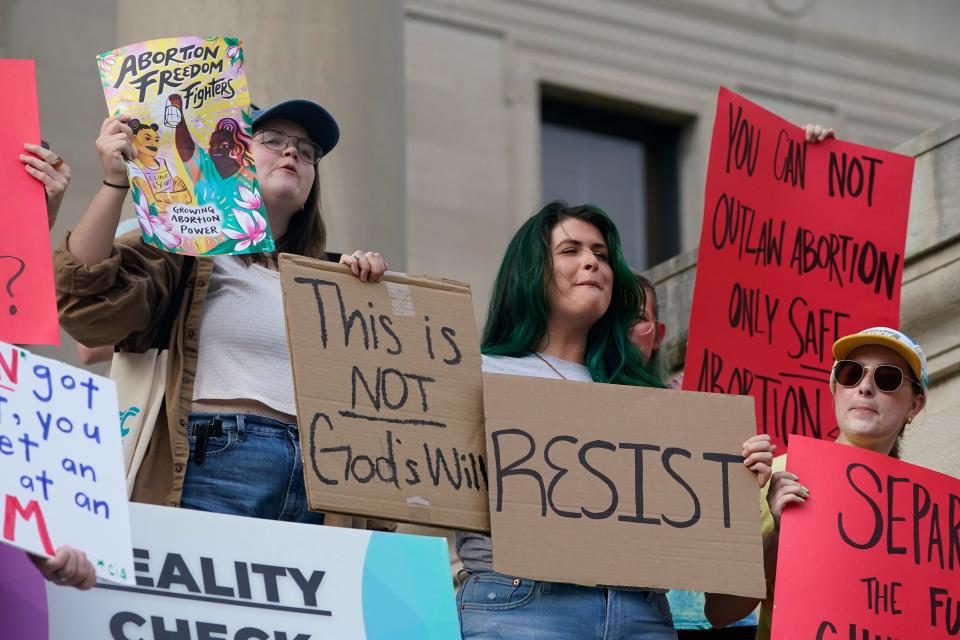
(28, 309)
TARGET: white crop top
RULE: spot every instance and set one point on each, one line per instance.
(242, 347)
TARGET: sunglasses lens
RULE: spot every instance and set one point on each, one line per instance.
(848, 372)
(887, 378)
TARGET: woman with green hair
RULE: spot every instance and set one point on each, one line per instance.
(562, 305)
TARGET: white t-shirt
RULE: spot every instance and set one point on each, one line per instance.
(242, 346)
(475, 549)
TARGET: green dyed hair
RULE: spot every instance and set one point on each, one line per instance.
(517, 318)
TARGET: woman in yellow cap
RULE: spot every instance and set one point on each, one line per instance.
(879, 385)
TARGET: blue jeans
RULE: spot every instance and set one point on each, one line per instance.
(253, 469)
(494, 606)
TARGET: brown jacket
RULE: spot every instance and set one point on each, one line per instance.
(122, 301)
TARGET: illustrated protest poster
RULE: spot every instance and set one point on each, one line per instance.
(28, 307)
(61, 467)
(303, 582)
(874, 552)
(801, 244)
(604, 484)
(389, 394)
(193, 180)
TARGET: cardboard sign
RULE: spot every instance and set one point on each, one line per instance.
(389, 394)
(61, 468)
(193, 182)
(622, 486)
(801, 244)
(28, 308)
(300, 582)
(874, 552)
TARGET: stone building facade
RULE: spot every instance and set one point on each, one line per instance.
(442, 105)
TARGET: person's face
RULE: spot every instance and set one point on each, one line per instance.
(870, 418)
(147, 142)
(284, 178)
(580, 288)
(221, 145)
(648, 333)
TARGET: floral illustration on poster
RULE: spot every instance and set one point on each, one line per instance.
(193, 180)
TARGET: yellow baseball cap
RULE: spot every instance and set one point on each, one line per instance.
(890, 338)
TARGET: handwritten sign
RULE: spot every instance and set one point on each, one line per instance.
(801, 244)
(874, 552)
(602, 484)
(193, 182)
(28, 308)
(389, 395)
(61, 468)
(310, 582)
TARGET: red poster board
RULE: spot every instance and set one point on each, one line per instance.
(28, 309)
(874, 552)
(801, 244)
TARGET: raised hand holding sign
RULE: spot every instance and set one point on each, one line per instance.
(801, 244)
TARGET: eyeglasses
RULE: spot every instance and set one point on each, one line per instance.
(887, 377)
(307, 151)
(644, 327)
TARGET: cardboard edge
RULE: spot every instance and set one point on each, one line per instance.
(443, 284)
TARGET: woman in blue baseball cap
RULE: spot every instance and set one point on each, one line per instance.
(879, 385)
(226, 438)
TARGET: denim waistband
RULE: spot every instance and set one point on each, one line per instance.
(244, 421)
(547, 587)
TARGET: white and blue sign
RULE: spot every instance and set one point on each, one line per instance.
(204, 576)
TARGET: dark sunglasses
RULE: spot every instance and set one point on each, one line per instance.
(887, 377)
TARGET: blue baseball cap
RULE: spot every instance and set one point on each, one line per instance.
(320, 125)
